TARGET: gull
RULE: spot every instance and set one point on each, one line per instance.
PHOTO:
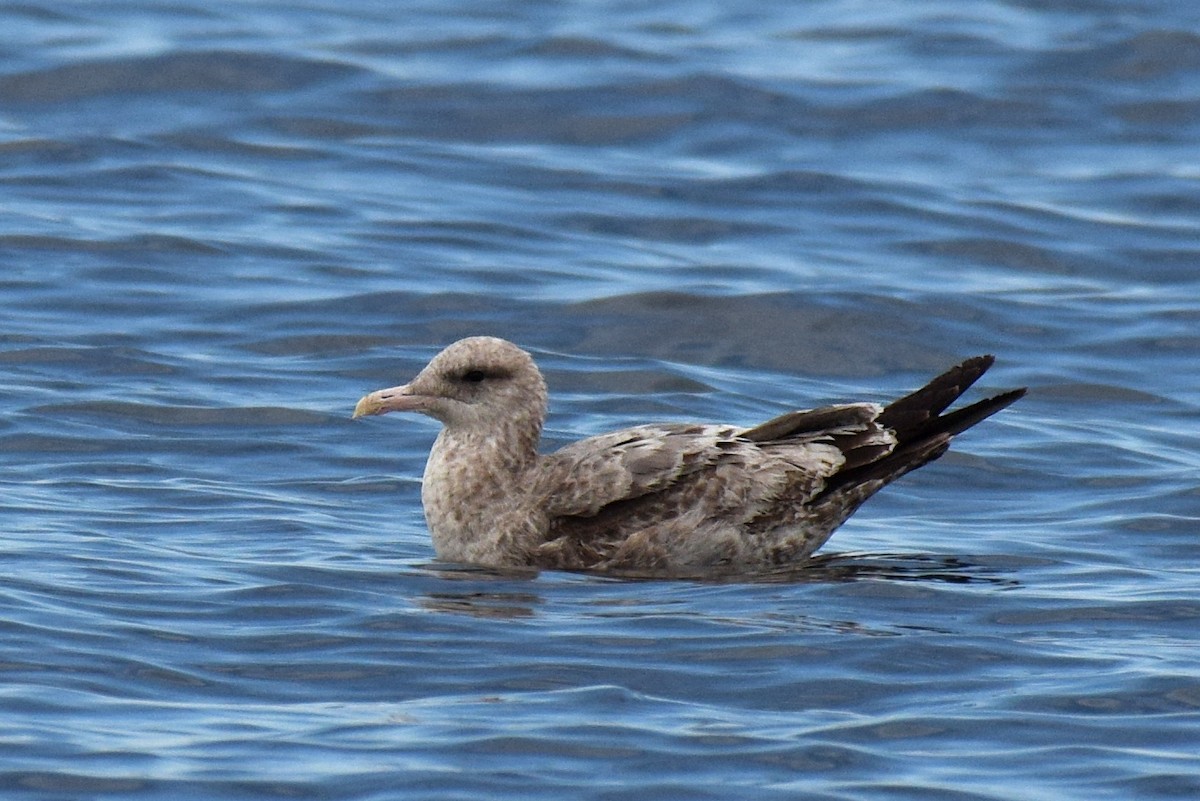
(673, 499)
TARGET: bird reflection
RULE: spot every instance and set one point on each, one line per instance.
(517, 601)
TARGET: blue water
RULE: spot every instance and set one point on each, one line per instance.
(223, 222)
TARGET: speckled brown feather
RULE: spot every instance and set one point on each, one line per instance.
(672, 499)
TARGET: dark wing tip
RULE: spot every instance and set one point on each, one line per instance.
(923, 433)
(916, 413)
(961, 419)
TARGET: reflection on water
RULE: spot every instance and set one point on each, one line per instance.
(908, 567)
(482, 600)
(483, 604)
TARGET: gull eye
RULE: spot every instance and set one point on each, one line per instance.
(474, 376)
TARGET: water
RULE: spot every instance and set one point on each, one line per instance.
(221, 223)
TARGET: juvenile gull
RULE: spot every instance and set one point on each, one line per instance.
(669, 499)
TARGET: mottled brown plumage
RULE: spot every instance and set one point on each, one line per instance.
(670, 499)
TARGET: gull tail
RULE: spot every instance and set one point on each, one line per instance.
(923, 432)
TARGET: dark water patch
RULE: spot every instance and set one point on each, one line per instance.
(1160, 118)
(587, 381)
(595, 115)
(73, 782)
(1161, 696)
(470, 234)
(249, 150)
(138, 245)
(212, 71)
(183, 416)
(106, 362)
(324, 128)
(778, 332)
(39, 13)
(1160, 614)
(316, 345)
(1147, 56)
(678, 229)
(782, 187)
(1013, 255)
(1177, 263)
(1083, 394)
(785, 332)
(585, 48)
(945, 109)
(43, 152)
(434, 42)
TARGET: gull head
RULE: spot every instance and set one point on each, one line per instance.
(475, 382)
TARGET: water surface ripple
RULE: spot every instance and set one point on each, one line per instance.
(223, 222)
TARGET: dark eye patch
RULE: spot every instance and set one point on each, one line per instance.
(474, 376)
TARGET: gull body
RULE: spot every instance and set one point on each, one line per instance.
(665, 499)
